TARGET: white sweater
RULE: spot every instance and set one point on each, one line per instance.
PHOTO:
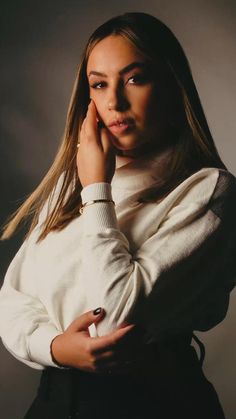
(169, 266)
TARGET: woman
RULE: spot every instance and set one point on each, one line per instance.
(135, 217)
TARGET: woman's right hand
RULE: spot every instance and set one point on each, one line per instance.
(75, 348)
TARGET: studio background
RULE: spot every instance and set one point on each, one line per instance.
(41, 44)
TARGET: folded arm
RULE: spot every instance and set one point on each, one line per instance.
(172, 282)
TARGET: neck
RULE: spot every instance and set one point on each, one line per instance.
(126, 156)
(121, 160)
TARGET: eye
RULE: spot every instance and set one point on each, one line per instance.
(97, 85)
(137, 79)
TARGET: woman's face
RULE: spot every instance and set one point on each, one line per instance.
(122, 86)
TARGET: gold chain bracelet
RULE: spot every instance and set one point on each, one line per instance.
(93, 202)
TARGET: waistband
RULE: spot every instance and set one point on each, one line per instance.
(172, 361)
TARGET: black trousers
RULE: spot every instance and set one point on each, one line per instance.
(176, 388)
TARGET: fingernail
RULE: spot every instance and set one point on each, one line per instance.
(97, 311)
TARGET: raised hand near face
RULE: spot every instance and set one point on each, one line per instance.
(96, 159)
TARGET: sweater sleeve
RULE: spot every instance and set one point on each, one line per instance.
(178, 279)
(26, 329)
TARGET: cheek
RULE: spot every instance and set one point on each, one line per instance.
(99, 103)
(147, 106)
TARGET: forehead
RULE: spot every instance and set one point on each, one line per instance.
(113, 53)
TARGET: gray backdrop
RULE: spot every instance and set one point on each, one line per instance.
(41, 46)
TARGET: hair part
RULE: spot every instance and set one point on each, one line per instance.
(194, 147)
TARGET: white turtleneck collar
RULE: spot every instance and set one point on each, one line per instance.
(139, 174)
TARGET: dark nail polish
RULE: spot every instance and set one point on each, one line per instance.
(97, 311)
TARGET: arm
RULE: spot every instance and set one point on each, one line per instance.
(174, 276)
(27, 328)
(176, 270)
(31, 337)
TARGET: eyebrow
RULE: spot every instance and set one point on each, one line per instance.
(135, 64)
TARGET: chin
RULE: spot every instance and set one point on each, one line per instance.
(132, 146)
(126, 147)
(132, 152)
(123, 151)
(119, 152)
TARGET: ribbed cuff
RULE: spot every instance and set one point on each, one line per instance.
(40, 345)
(101, 215)
(100, 190)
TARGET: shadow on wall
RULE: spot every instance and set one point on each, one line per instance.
(18, 383)
(35, 89)
(18, 386)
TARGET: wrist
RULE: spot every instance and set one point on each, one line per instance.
(94, 201)
(101, 190)
(52, 352)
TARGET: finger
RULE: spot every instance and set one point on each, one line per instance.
(94, 111)
(106, 140)
(91, 128)
(85, 320)
(105, 360)
(109, 341)
(121, 340)
(81, 130)
(106, 356)
(116, 356)
(138, 331)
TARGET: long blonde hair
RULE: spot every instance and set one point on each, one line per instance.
(194, 147)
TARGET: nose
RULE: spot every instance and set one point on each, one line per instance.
(117, 100)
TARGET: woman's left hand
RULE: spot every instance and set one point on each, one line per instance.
(96, 160)
(129, 354)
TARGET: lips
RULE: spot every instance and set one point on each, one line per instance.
(121, 122)
(122, 127)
